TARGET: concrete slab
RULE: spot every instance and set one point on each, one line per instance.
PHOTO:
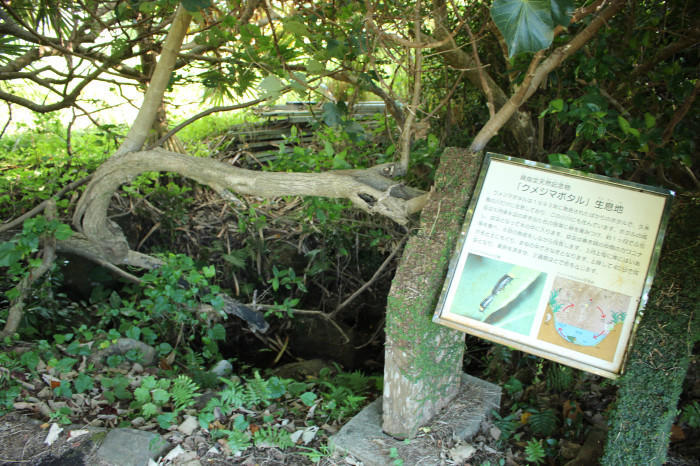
(362, 436)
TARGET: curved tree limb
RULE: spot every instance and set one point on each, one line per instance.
(369, 189)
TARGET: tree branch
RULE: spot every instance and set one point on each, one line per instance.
(159, 81)
(519, 124)
(367, 189)
(48, 256)
(536, 76)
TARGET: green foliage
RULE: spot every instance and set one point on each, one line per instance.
(560, 378)
(691, 414)
(343, 393)
(9, 390)
(196, 5)
(19, 258)
(236, 440)
(543, 423)
(535, 452)
(62, 415)
(18, 255)
(154, 395)
(270, 436)
(506, 424)
(528, 25)
(169, 298)
(36, 162)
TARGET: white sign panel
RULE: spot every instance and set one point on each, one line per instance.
(555, 262)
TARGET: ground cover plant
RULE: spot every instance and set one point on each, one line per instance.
(129, 271)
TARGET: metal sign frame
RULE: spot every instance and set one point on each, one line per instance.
(555, 262)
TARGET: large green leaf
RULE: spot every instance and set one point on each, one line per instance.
(562, 11)
(526, 25)
(195, 5)
(271, 86)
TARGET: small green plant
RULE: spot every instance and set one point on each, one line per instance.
(535, 452)
(691, 414)
(543, 422)
(506, 424)
(394, 455)
(560, 378)
(344, 393)
(270, 436)
(315, 455)
(9, 391)
(18, 255)
(62, 415)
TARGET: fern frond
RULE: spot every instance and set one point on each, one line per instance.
(234, 396)
(560, 378)
(544, 423)
(183, 392)
(534, 451)
(271, 437)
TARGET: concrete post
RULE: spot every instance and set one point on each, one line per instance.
(423, 361)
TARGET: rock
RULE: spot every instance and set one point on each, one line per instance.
(44, 409)
(222, 368)
(138, 421)
(213, 450)
(462, 453)
(174, 437)
(495, 433)
(187, 458)
(180, 457)
(591, 450)
(568, 449)
(136, 368)
(56, 405)
(189, 425)
(123, 346)
(130, 447)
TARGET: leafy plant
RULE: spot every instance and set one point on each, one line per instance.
(535, 452)
(9, 392)
(171, 298)
(559, 377)
(183, 392)
(18, 254)
(543, 422)
(691, 414)
(506, 424)
(270, 436)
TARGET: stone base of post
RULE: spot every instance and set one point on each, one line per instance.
(363, 438)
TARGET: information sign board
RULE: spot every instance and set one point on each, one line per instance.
(555, 262)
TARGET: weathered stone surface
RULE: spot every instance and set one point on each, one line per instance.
(423, 360)
(363, 438)
(130, 447)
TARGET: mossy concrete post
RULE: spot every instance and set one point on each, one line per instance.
(423, 360)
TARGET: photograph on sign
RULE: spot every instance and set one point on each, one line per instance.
(555, 262)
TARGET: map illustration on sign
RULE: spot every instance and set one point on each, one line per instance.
(584, 315)
(555, 262)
